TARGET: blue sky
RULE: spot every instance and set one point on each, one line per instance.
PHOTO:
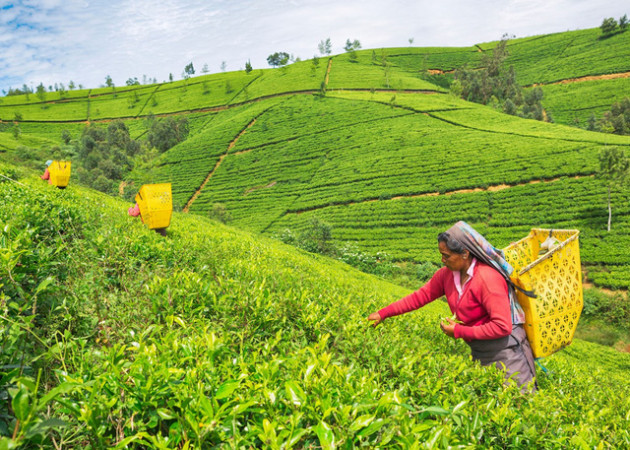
(55, 41)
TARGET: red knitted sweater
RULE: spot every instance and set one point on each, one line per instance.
(484, 307)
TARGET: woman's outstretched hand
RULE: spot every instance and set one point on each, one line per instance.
(376, 317)
(448, 326)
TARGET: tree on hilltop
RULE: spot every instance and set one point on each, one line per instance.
(41, 92)
(614, 169)
(608, 26)
(623, 22)
(189, 71)
(278, 59)
(325, 47)
(351, 48)
(248, 67)
(352, 45)
(109, 82)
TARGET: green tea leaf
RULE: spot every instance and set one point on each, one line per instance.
(295, 393)
(226, 389)
(325, 435)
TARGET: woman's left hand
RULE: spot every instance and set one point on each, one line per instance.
(448, 326)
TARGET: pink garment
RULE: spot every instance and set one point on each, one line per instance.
(457, 277)
(134, 211)
(46, 176)
(483, 307)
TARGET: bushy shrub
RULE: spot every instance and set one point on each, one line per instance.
(613, 309)
(220, 213)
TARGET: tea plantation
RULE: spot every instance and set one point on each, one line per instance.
(370, 146)
(115, 337)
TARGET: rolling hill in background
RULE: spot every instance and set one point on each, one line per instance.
(372, 147)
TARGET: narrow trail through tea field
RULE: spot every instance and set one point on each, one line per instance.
(216, 166)
(609, 76)
(493, 188)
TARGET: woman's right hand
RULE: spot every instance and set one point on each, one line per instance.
(376, 317)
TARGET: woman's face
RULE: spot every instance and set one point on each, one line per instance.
(454, 261)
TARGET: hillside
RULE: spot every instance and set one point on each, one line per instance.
(213, 335)
(373, 147)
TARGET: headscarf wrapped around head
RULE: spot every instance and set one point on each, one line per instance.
(480, 248)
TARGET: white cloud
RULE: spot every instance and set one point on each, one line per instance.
(85, 40)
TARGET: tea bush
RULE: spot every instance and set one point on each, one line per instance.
(211, 336)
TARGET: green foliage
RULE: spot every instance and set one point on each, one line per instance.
(496, 85)
(220, 213)
(608, 26)
(325, 47)
(617, 120)
(614, 169)
(189, 70)
(316, 237)
(105, 156)
(278, 59)
(166, 133)
(612, 309)
(214, 336)
(614, 165)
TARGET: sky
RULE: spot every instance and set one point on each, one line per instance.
(56, 41)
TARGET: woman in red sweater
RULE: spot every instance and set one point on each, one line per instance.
(478, 296)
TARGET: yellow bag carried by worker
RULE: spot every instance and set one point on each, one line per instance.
(59, 172)
(548, 263)
(156, 204)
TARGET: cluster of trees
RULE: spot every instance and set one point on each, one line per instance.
(616, 120)
(495, 84)
(610, 26)
(281, 59)
(351, 48)
(41, 90)
(106, 155)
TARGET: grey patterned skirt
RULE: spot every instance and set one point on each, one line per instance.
(512, 353)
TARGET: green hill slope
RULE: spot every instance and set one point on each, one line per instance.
(389, 176)
(373, 148)
(214, 336)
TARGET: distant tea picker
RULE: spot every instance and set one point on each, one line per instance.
(57, 173)
(154, 205)
(475, 280)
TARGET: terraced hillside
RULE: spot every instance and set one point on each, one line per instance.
(374, 149)
(115, 337)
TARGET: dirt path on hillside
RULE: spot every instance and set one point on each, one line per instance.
(439, 71)
(497, 187)
(255, 188)
(327, 73)
(216, 166)
(609, 76)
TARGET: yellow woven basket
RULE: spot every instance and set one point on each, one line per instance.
(556, 278)
(60, 173)
(156, 204)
